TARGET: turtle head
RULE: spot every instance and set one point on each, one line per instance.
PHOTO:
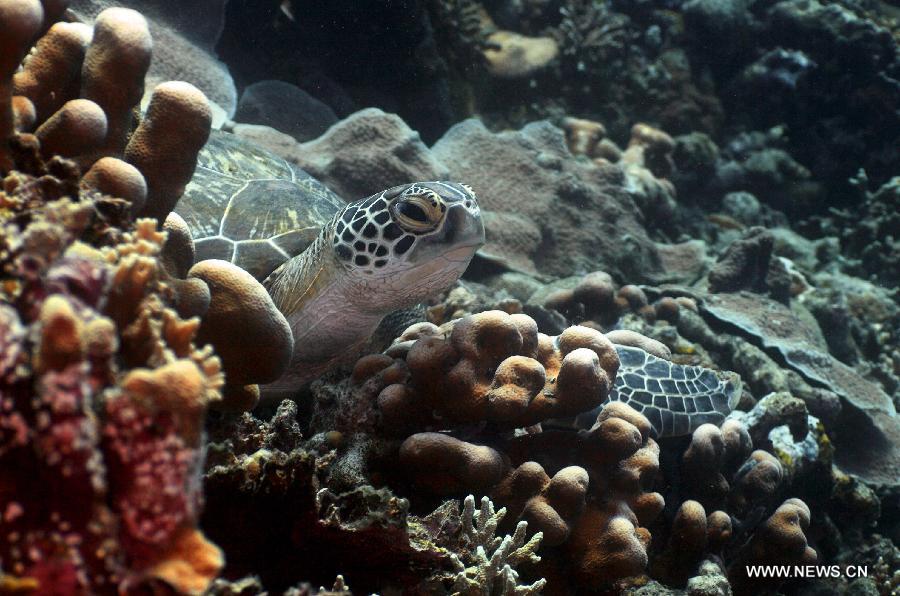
(411, 241)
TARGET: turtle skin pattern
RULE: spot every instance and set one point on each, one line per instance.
(248, 206)
(675, 398)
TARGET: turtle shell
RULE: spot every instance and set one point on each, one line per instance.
(248, 206)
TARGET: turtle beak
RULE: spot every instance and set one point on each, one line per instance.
(464, 227)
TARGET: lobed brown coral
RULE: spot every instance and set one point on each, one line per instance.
(597, 301)
(497, 368)
(586, 492)
(724, 485)
(595, 495)
(239, 302)
(780, 541)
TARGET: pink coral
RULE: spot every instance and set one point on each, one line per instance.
(103, 390)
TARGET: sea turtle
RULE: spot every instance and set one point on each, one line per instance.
(333, 269)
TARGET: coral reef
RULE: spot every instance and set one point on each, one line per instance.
(747, 264)
(798, 342)
(590, 493)
(366, 153)
(265, 477)
(104, 395)
(148, 161)
(535, 162)
(868, 234)
(595, 300)
(646, 164)
(669, 188)
(104, 387)
(184, 48)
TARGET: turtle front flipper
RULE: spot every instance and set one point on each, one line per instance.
(675, 398)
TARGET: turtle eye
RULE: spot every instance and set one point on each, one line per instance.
(413, 211)
(417, 214)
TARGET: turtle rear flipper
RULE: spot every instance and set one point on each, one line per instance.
(675, 398)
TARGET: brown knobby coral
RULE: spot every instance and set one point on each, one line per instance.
(496, 367)
(239, 302)
(20, 21)
(442, 464)
(596, 301)
(725, 485)
(593, 513)
(780, 541)
(549, 505)
(588, 492)
(596, 495)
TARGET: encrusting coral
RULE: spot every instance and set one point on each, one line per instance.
(104, 388)
(104, 396)
(647, 162)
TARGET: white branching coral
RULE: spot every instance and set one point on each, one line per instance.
(483, 574)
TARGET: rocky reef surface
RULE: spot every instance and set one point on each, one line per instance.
(735, 210)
